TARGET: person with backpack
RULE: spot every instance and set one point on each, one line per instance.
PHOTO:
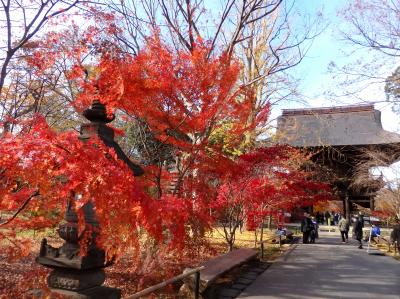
(344, 227)
(306, 227)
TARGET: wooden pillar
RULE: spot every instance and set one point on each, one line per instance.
(347, 206)
(372, 203)
(344, 206)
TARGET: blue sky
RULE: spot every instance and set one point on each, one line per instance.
(327, 47)
(330, 46)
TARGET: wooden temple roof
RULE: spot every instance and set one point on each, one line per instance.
(334, 126)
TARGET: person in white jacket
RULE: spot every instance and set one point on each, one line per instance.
(344, 227)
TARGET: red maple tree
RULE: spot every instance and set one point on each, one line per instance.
(261, 184)
(182, 96)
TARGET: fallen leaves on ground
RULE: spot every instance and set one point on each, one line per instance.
(18, 278)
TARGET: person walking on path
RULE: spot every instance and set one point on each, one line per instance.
(395, 234)
(361, 218)
(357, 231)
(344, 227)
(306, 226)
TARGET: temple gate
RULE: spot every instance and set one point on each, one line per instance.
(336, 137)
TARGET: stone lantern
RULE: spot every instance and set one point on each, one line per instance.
(75, 275)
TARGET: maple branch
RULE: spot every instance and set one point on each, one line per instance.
(63, 148)
(40, 18)
(36, 193)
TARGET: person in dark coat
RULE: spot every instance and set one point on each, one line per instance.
(306, 227)
(361, 218)
(395, 234)
(314, 230)
(357, 231)
(318, 217)
(328, 218)
(336, 219)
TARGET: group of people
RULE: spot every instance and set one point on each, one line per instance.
(358, 224)
(309, 224)
(309, 228)
(328, 218)
(375, 232)
(374, 235)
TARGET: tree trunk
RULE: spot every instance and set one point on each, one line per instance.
(262, 231)
(269, 222)
(230, 246)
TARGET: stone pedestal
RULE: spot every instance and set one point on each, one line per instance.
(100, 292)
(75, 275)
(75, 280)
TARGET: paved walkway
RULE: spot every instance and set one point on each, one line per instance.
(328, 270)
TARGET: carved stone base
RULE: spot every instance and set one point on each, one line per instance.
(75, 280)
(92, 293)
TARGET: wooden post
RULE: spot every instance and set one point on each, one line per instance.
(262, 250)
(344, 206)
(261, 232)
(372, 203)
(197, 287)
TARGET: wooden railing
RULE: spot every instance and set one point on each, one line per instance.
(262, 247)
(163, 284)
(268, 240)
(389, 244)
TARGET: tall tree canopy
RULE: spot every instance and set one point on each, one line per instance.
(192, 102)
(181, 95)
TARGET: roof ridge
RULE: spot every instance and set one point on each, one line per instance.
(329, 110)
